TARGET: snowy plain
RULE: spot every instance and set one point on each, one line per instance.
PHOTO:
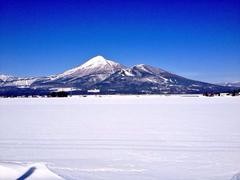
(123, 137)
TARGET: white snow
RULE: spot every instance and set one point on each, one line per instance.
(4, 77)
(94, 90)
(67, 89)
(233, 84)
(21, 82)
(150, 79)
(97, 61)
(165, 79)
(14, 170)
(15, 81)
(124, 137)
(127, 72)
(142, 67)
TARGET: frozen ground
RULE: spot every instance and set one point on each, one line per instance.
(124, 137)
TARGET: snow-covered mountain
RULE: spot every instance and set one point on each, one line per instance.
(84, 76)
(147, 79)
(7, 81)
(230, 84)
(109, 77)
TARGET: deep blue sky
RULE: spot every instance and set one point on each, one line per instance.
(199, 39)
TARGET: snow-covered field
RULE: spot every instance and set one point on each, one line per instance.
(122, 137)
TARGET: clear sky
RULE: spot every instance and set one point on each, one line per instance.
(198, 39)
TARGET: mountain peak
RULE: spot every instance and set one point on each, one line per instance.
(97, 58)
(97, 64)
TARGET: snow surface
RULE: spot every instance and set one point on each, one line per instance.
(15, 170)
(124, 137)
